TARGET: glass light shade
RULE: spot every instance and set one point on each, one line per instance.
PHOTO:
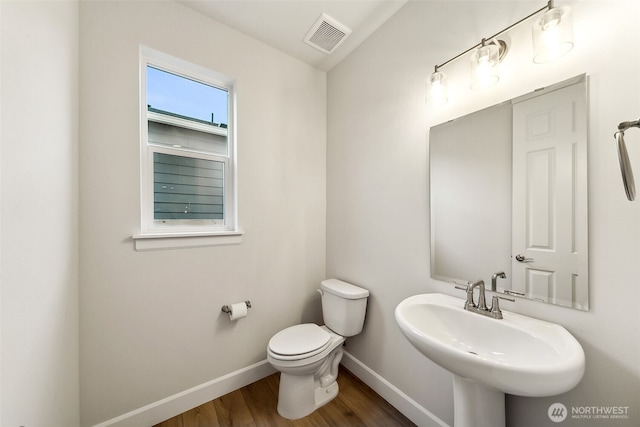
(485, 62)
(438, 88)
(552, 35)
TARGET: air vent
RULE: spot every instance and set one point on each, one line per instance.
(326, 34)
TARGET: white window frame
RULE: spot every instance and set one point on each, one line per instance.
(157, 234)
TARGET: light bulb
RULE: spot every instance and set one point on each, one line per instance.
(551, 18)
(552, 35)
(484, 66)
(438, 90)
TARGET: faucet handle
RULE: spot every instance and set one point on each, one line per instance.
(496, 313)
(469, 302)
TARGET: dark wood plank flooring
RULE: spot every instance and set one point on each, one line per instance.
(255, 406)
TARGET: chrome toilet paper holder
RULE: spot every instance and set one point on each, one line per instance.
(227, 308)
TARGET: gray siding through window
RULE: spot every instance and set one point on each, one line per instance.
(187, 188)
(189, 139)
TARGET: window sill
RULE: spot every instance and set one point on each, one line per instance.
(158, 241)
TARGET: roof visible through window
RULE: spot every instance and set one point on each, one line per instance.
(186, 98)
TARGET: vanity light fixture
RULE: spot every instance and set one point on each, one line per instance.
(485, 62)
(552, 34)
(552, 38)
(439, 90)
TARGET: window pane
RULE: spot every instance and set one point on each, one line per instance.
(179, 137)
(187, 188)
(185, 98)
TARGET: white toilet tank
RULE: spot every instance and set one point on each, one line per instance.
(343, 306)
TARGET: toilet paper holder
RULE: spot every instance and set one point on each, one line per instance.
(227, 308)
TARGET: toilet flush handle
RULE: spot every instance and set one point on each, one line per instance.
(320, 291)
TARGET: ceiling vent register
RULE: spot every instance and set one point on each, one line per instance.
(326, 34)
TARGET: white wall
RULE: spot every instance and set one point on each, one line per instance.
(39, 213)
(377, 187)
(151, 324)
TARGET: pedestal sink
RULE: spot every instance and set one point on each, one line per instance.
(488, 357)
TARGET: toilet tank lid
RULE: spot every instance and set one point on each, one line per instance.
(343, 289)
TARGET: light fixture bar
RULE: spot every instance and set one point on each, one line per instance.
(548, 6)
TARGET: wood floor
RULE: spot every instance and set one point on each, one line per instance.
(255, 406)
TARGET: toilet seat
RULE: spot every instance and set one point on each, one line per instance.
(299, 342)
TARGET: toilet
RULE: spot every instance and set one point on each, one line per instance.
(308, 355)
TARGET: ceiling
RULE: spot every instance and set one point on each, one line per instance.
(283, 24)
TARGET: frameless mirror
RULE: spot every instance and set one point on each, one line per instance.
(508, 187)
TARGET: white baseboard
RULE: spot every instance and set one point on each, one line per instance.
(403, 403)
(171, 406)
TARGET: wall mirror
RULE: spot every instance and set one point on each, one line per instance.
(508, 187)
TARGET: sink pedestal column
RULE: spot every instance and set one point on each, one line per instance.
(476, 405)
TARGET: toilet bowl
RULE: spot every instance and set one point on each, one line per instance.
(308, 355)
(308, 378)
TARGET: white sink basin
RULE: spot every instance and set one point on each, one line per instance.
(517, 354)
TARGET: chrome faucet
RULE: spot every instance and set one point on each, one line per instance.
(482, 303)
(481, 307)
(494, 280)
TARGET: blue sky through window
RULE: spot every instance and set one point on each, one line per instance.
(186, 97)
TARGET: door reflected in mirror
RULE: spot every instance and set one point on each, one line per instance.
(508, 188)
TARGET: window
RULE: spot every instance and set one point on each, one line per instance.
(187, 150)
